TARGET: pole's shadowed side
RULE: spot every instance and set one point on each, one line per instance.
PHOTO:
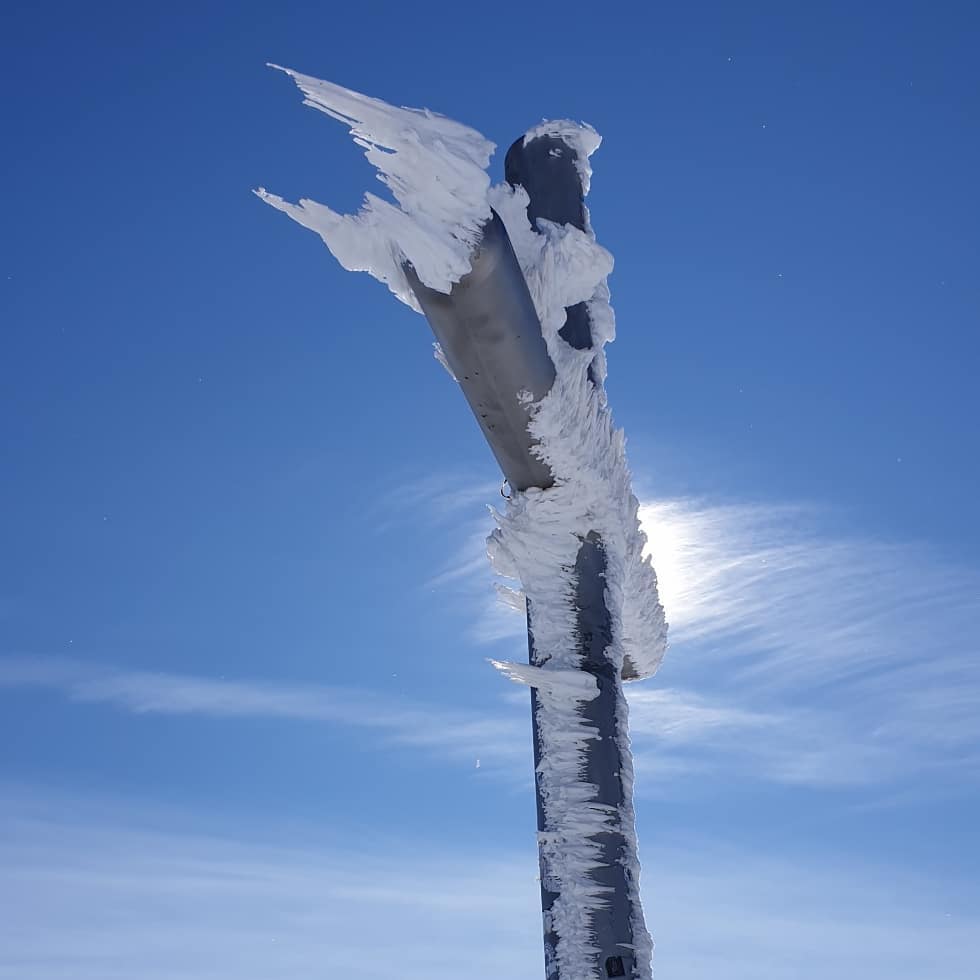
(491, 338)
(547, 168)
(612, 925)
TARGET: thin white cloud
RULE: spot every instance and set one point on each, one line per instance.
(718, 912)
(497, 738)
(863, 654)
(112, 893)
(436, 498)
(681, 716)
(106, 901)
(770, 590)
(469, 567)
(678, 733)
(817, 656)
(497, 735)
(796, 656)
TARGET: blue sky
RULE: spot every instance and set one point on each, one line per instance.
(247, 727)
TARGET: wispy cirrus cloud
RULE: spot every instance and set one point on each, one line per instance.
(96, 897)
(799, 652)
(496, 734)
(495, 737)
(797, 656)
(103, 892)
(439, 498)
(770, 589)
(676, 732)
(865, 652)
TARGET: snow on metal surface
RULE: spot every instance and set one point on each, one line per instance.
(541, 531)
(580, 136)
(436, 171)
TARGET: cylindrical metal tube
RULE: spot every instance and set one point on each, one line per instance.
(612, 924)
(547, 168)
(491, 337)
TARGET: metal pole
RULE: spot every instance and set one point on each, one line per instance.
(491, 337)
(613, 925)
(492, 341)
(546, 167)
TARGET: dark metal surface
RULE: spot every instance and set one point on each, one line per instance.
(546, 167)
(613, 925)
(491, 336)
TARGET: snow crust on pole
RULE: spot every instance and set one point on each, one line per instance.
(435, 169)
(541, 531)
(573, 426)
(580, 136)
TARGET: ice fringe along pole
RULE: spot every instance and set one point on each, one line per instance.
(571, 536)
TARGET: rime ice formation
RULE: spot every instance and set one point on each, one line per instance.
(541, 531)
(436, 171)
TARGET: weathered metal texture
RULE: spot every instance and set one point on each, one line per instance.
(491, 337)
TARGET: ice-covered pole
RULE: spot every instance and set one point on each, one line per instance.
(491, 339)
(550, 171)
(513, 284)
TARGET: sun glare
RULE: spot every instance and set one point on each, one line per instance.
(670, 546)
